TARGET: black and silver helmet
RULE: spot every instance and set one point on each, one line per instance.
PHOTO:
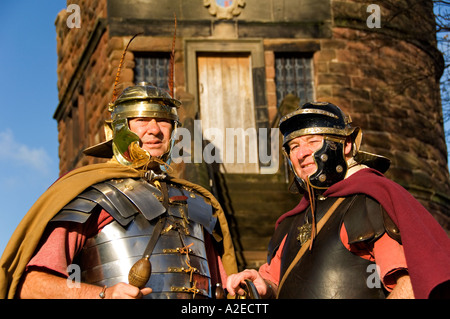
(330, 121)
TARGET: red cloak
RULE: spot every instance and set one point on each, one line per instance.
(426, 244)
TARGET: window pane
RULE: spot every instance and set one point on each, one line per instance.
(293, 75)
(152, 68)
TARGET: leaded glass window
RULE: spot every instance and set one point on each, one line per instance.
(294, 75)
(153, 68)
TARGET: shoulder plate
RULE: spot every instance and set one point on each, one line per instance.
(366, 220)
(122, 199)
(199, 208)
(137, 192)
(78, 210)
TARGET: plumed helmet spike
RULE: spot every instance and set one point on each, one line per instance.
(119, 69)
(140, 100)
(172, 59)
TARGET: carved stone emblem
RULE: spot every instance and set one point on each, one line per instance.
(224, 9)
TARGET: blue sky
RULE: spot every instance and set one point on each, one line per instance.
(28, 99)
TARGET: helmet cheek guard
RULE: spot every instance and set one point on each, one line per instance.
(126, 148)
(331, 163)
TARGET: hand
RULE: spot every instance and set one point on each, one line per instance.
(43, 285)
(234, 281)
(126, 291)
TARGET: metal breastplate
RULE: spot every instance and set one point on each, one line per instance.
(179, 261)
(329, 270)
(177, 271)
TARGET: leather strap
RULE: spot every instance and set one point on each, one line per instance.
(305, 246)
(159, 225)
(155, 236)
(165, 194)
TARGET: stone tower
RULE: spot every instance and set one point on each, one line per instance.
(241, 64)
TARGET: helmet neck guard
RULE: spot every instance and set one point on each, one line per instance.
(142, 100)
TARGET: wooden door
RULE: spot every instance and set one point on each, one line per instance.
(226, 106)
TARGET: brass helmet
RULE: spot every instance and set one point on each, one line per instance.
(330, 121)
(141, 100)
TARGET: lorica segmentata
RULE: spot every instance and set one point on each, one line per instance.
(179, 260)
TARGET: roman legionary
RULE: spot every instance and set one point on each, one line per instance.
(355, 233)
(126, 228)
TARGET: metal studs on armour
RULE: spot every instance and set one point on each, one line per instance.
(339, 169)
(324, 157)
(322, 178)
